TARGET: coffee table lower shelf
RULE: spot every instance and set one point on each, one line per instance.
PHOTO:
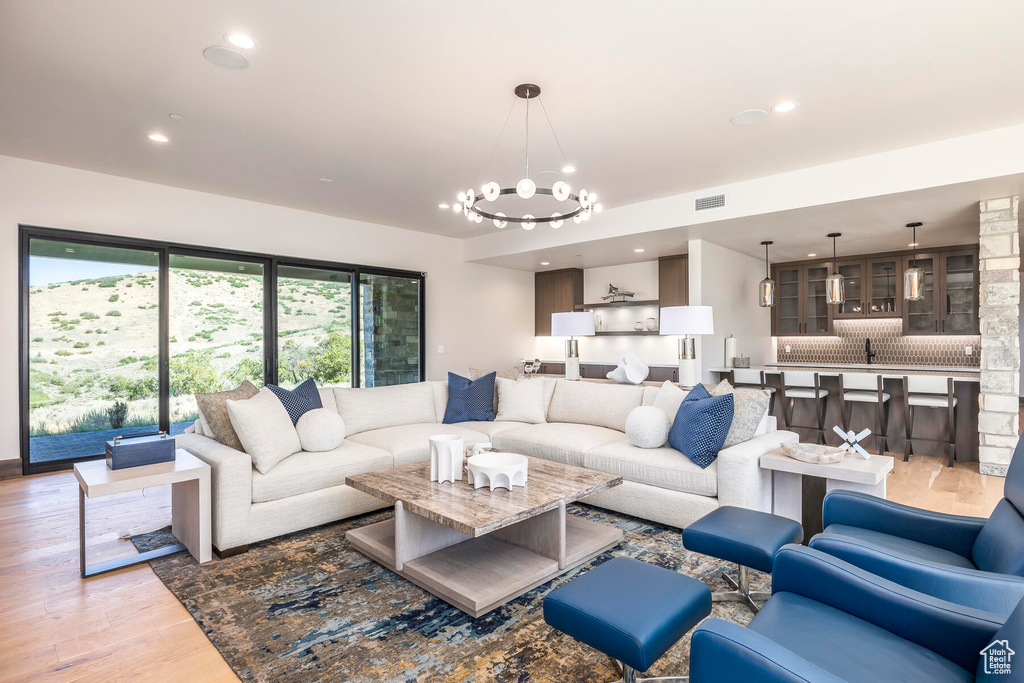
(479, 574)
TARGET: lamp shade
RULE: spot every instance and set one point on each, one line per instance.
(687, 320)
(577, 324)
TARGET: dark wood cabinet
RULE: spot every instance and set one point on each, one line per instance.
(673, 280)
(555, 291)
(800, 306)
(884, 287)
(959, 284)
(854, 287)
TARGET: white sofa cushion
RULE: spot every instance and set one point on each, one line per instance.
(557, 441)
(650, 393)
(410, 443)
(665, 468)
(489, 429)
(669, 398)
(593, 403)
(304, 472)
(320, 430)
(264, 428)
(378, 407)
(327, 399)
(440, 391)
(520, 400)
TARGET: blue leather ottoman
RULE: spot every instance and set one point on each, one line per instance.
(747, 537)
(629, 610)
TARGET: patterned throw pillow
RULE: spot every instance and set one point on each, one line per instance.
(507, 373)
(213, 413)
(701, 426)
(750, 407)
(299, 400)
(470, 400)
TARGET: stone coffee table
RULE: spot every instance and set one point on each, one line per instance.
(477, 549)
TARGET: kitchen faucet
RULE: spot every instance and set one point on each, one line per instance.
(867, 350)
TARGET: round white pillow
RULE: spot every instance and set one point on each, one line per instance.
(320, 430)
(647, 427)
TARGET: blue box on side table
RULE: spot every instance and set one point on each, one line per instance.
(141, 449)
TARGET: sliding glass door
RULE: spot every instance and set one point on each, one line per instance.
(93, 335)
(314, 326)
(216, 329)
(119, 334)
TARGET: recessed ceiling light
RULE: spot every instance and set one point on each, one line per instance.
(442, 205)
(545, 263)
(176, 117)
(781, 107)
(568, 168)
(749, 116)
(639, 251)
(242, 40)
(226, 58)
(157, 137)
(811, 255)
(326, 180)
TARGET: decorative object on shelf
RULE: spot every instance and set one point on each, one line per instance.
(652, 324)
(638, 326)
(813, 453)
(889, 300)
(446, 458)
(616, 295)
(478, 448)
(139, 449)
(913, 277)
(730, 350)
(686, 321)
(529, 368)
(576, 324)
(835, 291)
(741, 361)
(629, 369)
(766, 288)
(599, 322)
(852, 441)
(583, 203)
(497, 470)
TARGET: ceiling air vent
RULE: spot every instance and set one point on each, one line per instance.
(715, 201)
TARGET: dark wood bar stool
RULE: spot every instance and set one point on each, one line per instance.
(804, 385)
(745, 377)
(924, 391)
(861, 387)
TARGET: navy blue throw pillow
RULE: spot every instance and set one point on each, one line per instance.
(470, 400)
(299, 400)
(701, 426)
(697, 393)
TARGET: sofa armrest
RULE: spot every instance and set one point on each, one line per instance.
(952, 631)
(954, 533)
(741, 481)
(724, 651)
(231, 488)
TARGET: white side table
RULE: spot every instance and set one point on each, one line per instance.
(852, 473)
(189, 478)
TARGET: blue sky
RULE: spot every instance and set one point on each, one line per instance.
(44, 271)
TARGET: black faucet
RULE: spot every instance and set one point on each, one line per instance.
(867, 350)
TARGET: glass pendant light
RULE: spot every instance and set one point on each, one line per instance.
(835, 291)
(913, 277)
(766, 288)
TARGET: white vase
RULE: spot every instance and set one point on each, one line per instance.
(446, 458)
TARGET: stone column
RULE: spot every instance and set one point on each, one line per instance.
(999, 265)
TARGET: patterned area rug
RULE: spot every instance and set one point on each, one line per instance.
(308, 607)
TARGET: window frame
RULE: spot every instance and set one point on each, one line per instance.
(165, 249)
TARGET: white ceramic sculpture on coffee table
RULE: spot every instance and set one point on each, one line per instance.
(497, 470)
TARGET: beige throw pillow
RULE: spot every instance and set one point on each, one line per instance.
(749, 408)
(669, 398)
(213, 413)
(520, 401)
(264, 428)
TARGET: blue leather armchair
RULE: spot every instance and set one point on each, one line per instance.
(830, 621)
(970, 561)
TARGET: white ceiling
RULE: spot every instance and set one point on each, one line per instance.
(876, 224)
(400, 103)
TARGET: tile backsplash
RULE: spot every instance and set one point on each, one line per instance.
(886, 340)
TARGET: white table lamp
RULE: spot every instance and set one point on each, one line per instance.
(578, 324)
(687, 321)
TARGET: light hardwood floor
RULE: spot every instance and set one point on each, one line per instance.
(127, 625)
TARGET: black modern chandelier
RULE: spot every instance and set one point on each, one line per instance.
(581, 207)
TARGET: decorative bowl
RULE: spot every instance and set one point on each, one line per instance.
(497, 470)
(813, 453)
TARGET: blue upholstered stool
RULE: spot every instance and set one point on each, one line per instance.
(747, 537)
(629, 610)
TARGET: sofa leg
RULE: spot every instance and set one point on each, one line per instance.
(231, 552)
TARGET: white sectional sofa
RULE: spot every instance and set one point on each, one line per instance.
(389, 426)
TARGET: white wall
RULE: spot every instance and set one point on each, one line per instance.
(481, 314)
(727, 281)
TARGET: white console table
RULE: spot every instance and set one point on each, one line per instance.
(852, 473)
